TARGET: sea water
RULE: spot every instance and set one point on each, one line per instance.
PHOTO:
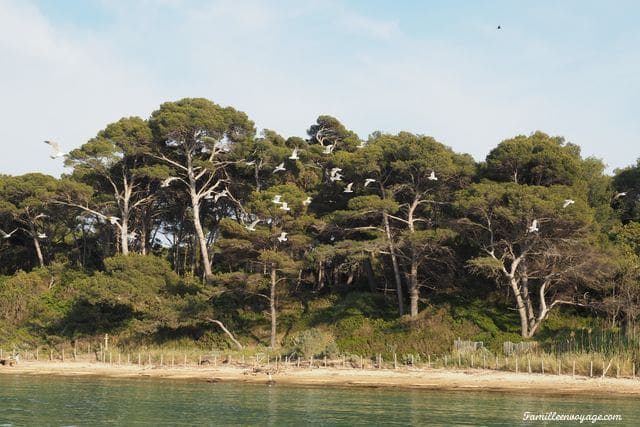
(38, 400)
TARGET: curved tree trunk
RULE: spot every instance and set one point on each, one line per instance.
(202, 241)
(522, 309)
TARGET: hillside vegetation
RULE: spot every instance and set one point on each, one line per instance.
(319, 245)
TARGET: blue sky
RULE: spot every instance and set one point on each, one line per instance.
(441, 68)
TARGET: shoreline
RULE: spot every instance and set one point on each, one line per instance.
(403, 378)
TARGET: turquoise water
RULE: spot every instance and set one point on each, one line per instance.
(62, 401)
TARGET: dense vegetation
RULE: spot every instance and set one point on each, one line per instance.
(392, 243)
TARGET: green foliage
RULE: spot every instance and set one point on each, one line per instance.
(312, 342)
(430, 224)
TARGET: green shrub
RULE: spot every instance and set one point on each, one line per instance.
(312, 342)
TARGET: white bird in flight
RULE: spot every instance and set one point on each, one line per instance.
(7, 235)
(168, 181)
(42, 236)
(252, 226)
(349, 188)
(279, 168)
(618, 195)
(276, 199)
(282, 237)
(285, 206)
(335, 175)
(57, 153)
(567, 202)
(368, 181)
(533, 227)
(307, 201)
(433, 176)
(294, 154)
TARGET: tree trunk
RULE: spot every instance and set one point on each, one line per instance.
(320, 282)
(413, 268)
(370, 274)
(143, 240)
(272, 306)
(204, 251)
(522, 310)
(226, 331)
(394, 262)
(124, 234)
(36, 245)
(413, 286)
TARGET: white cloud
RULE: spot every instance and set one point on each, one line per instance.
(57, 87)
(285, 63)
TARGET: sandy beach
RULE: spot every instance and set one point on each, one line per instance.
(432, 379)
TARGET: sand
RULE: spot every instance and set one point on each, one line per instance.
(431, 379)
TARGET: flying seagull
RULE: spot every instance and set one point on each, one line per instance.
(567, 202)
(282, 237)
(168, 181)
(276, 199)
(279, 168)
(368, 181)
(433, 176)
(618, 195)
(252, 226)
(335, 176)
(533, 227)
(7, 235)
(285, 206)
(349, 188)
(57, 153)
(294, 154)
(42, 236)
(307, 201)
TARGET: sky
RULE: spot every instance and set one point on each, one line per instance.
(440, 68)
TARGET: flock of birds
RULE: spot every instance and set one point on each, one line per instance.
(334, 176)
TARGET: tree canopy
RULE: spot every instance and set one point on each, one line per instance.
(191, 214)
